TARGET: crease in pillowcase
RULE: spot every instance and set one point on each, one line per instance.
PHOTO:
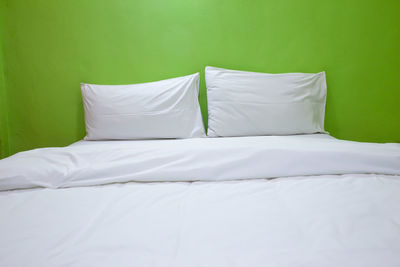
(146, 113)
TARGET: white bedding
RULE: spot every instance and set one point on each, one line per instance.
(347, 219)
(197, 159)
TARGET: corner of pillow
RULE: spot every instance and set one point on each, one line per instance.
(83, 87)
(211, 133)
(196, 76)
(210, 68)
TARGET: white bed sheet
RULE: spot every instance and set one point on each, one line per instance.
(345, 220)
(198, 159)
(309, 218)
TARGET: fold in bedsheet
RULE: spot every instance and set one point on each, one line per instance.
(199, 159)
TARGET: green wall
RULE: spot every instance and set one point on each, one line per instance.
(3, 110)
(52, 45)
(4, 150)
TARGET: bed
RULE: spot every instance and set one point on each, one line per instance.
(300, 200)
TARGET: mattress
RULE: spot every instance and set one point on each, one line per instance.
(68, 207)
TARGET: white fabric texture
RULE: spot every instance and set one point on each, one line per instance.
(196, 159)
(350, 220)
(162, 109)
(242, 103)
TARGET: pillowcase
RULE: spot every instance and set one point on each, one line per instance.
(162, 109)
(242, 103)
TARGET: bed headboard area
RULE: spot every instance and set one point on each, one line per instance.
(50, 47)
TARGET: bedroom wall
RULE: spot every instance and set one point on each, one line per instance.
(3, 111)
(3, 108)
(53, 45)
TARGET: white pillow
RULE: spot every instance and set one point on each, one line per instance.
(242, 103)
(163, 109)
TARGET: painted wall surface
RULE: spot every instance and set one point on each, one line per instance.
(3, 111)
(53, 45)
(3, 108)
